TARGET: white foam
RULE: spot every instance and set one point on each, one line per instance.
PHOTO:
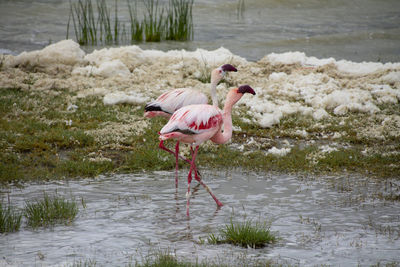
(296, 58)
(279, 152)
(106, 69)
(344, 66)
(130, 74)
(123, 97)
(66, 52)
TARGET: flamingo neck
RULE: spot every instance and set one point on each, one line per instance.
(226, 134)
(214, 97)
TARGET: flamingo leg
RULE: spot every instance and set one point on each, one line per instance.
(192, 167)
(176, 163)
(161, 145)
(219, 204)
(198, 178)
(176, 154)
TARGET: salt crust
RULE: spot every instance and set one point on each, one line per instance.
(286, 83)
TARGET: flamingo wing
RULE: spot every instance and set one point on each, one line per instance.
(194, 119)
(173, 100)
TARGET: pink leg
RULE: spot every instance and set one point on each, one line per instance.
(192, 167)
(219, 204)
(161, 145)
(176, 163)
(176, 154)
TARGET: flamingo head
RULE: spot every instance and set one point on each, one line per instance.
(236, 94)
(246, 89)
(220, 72)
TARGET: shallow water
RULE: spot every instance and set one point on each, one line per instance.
(360, 30)
(334, 220)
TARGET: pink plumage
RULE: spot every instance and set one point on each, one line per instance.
(170, 101)
(173, 100)
(193, 124)
(196, 124)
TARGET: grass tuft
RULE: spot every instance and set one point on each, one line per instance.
(50, 211)
(179, 20)
(154, 21)
(10, 219)
(245, 234)
(136, 25)
(173, 22)
(85, 263)
(85, 26)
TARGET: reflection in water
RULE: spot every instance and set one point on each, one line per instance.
(339, 220)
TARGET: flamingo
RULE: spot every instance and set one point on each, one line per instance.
(195, 124)
(170, 101)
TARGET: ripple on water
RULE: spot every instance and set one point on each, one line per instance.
(125, 216)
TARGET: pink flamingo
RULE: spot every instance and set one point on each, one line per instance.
(171, 101)
(196, 124)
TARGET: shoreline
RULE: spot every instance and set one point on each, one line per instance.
(70, 114)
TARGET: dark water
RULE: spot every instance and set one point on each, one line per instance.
(334, 220)
(358, 30)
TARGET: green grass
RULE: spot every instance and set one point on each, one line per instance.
(179, 20)
(84, 22)
(85, 263)
(37, 144)
(244, 234)
(50, 211)
(10, 219)
(154, 21)
(159, 22)
(164, 258)
(136, 25)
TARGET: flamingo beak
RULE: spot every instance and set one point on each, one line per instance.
(246, 89)
(228, 67)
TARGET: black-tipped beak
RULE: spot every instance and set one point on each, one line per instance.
(228, 67)
(246, 89)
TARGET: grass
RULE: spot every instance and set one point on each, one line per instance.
(159, 22)
(244, 234)
(204, 72)
(85, 263)
(164, 258)
(179, 20)
(37, 144)
(154, 21)
(136, 25)
(84, 22)
(240, 9)
(50, 211)
(10, 219)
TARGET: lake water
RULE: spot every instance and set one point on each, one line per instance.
(334, 220)
(358, 30)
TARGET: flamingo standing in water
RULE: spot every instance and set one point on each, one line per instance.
(171, 101)
(196, 124)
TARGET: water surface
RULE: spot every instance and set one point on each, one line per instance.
(359, 30)
(337, 220)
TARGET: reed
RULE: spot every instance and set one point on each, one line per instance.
(240, 8)
(136, 25)
(154, 21)
(85, 26)
(50, 211)
(179, 20)
(173, 22)
(104, 22)
(245, 234)
(10, 219)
